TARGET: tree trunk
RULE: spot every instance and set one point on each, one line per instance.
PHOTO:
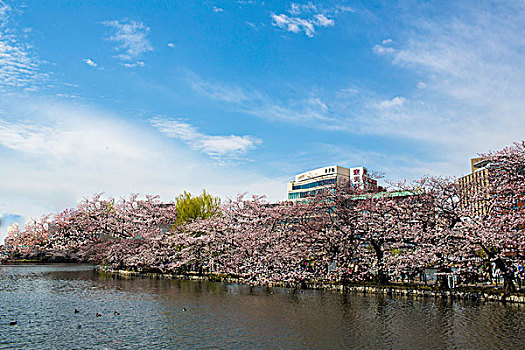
(382, 278)
(508, 280)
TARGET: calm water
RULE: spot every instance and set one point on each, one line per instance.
(166, 314)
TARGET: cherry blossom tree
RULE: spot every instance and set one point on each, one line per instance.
(495, 230)
(241, 240)
(32, 241)
(88, 231)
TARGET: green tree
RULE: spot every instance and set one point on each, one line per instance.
(191, 207)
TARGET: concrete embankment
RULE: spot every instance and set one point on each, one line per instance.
(402, 291)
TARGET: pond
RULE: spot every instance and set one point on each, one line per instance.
(73, 307)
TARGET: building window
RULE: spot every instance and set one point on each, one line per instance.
(314, 184)
(294, 195)
(356, 171)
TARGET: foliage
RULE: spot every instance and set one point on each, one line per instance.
(191, 207)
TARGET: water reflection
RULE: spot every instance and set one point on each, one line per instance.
(170, 314)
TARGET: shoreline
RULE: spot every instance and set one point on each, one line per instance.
(394, 289)
(472, 293)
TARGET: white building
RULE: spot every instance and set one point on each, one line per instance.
(306, 184)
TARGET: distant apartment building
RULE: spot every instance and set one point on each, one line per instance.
(310, 182)
(471, 186)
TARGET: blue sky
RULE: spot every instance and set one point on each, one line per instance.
(239, 96)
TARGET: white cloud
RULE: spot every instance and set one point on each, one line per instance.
(19, 68)
(63, 140)
(322, 21)
(344, 8)
(90, 62)
(132, 65)
(172, 45)
(316, 101)
(131, 38)
(297, 24)
(387, 41)
(176, 128)
(395, 102)
(253, 25)
(71, 96)
(217, 91)
(305, 18)
(220, 147)
(4, 9)
(381, 50)
(217, 9)
(308, 17)
(293, 24)
(232, 145)
(297, 9)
